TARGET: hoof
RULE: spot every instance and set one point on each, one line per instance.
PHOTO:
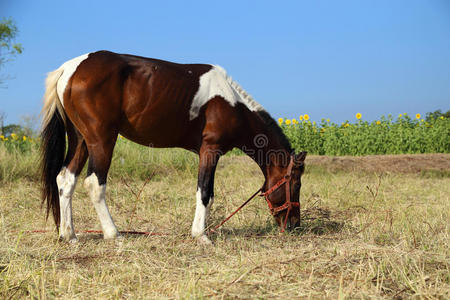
(113, 236)
(71, 240)
(203, 240)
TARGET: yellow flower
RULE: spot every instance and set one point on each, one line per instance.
(294, 121)
(280, 121)
(306, 117)
(346, 125)
(24, 138)
(328, 120)
(14, 136)
(400, 115)
(288, 122)
(301, 118)
(417, 116)
(358, 116)
(2, 137)
(442, 118)
(378, 122)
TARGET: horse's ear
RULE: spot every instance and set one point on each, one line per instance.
(300, 158)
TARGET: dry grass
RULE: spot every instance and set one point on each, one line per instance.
(364, 234)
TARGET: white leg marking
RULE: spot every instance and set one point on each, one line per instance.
(198, 226)
(97, 194)
(66, 185)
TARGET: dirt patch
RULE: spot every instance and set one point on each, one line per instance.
(404, 163)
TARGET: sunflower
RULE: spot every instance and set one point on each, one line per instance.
(358, 116)
(306, 117)
(288, 122)
(417, 116)
(280, 121)
(378, 122)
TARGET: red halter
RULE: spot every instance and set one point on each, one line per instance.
(273, 210)
(288, 204)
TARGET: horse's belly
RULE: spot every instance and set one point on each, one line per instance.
(162, 131)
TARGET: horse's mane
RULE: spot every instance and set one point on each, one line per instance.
(255, 107)
(275, 129)
(246, 98)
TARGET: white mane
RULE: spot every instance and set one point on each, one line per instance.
(216, 82)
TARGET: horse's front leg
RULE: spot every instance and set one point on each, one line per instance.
(209, 156)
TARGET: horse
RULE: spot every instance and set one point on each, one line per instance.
(93, 98)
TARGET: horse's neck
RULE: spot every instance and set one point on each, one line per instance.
(265, 147)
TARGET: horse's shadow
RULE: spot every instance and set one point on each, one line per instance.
(315, 221)
(318, 221)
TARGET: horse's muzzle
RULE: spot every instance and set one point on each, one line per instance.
(292, 222)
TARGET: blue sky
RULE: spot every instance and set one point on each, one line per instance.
(330, 59)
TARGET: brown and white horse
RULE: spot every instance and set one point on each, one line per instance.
(198, 107)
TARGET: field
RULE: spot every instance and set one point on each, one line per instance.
(388, 135)
(372, 227)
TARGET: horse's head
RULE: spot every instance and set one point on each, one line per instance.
(282, 192)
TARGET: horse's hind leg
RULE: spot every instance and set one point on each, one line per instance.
(66, 181)
(100, 154)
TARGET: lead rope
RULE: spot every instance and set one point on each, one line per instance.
(238, 209)
(213, 230)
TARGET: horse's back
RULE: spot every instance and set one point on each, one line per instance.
(145, 99)
(150, 101)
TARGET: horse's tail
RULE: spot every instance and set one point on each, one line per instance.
(53, 144)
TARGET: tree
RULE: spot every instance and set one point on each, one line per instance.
(8, 48)
(436, 114)
(12, 128)
(2, 121)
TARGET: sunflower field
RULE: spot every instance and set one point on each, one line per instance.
(403, 135)
(20, 144)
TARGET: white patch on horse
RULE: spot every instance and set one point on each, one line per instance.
(201, 213)
(97, 194)
(69, 68)
(66, 182)
(216, 82)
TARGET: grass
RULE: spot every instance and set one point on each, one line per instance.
(364, 234)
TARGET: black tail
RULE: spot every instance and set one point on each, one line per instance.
(53, 148)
